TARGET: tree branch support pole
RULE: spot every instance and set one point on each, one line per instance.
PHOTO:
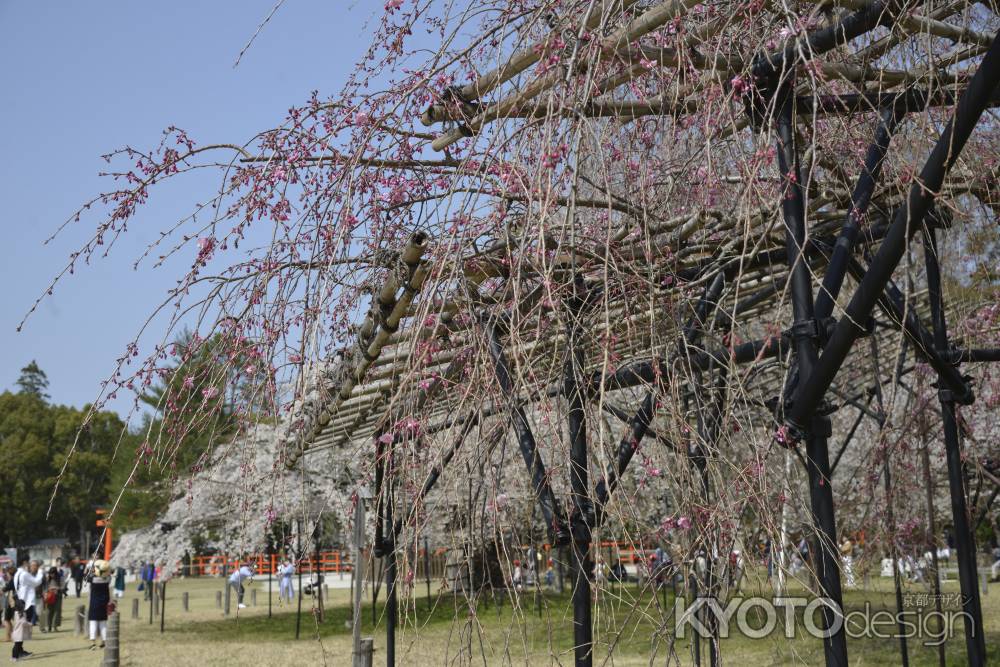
(935, 572)
(391, 599)
(805, 333)
(582, 517)
(709, 421)
(298, 565)
(965, 540)
(318, 569)
(357, 571)
(554, 518)
(709, 430)
(890, 515)
(385, 542)
(906, 222)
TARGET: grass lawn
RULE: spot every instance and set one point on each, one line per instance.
(631, 628)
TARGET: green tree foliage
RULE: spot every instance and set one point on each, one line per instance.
(35, 440)
(43, 448)
(33, 381)
(191, 411)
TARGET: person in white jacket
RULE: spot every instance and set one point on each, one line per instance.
(26, 582)
(236, 579)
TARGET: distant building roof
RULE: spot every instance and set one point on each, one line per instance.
(47, 542)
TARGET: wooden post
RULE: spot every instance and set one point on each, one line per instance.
(185, 600)
(218, 599)
(318, 569)
(112, 647)
(301, 562)
(163, 604)
(157, 595)
(79, 620)
(225, 582)
(135, 608)
(366, 655)
(427, 570)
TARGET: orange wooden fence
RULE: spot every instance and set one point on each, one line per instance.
(338, 561)
(326, 562)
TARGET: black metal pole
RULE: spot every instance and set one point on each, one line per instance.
(965, 540)
(769, 65)
(708, 431)
(318, 569)
(907, 220)
(698, 453)
(860, 198)
(893, 304)
(554, 518)
(974, 355)
(391, 601)
(639, 424)
(582, 517)
(432, 477)
(804, 336)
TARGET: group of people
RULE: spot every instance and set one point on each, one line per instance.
(244, 574)
(30, 590)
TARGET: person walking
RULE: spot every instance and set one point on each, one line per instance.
(9, 598)
(286, 588)
(847, 560)
(119, 582)
(64, 577)
(76, 571)
(148, 576)
(52, 591)
(236, 579)
(100, 599)
(21, 632)
(995, 567)
(26, 582)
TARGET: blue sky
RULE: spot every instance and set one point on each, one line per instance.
(82, 78)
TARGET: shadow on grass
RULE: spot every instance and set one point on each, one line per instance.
(417, 614)
(545, 622)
